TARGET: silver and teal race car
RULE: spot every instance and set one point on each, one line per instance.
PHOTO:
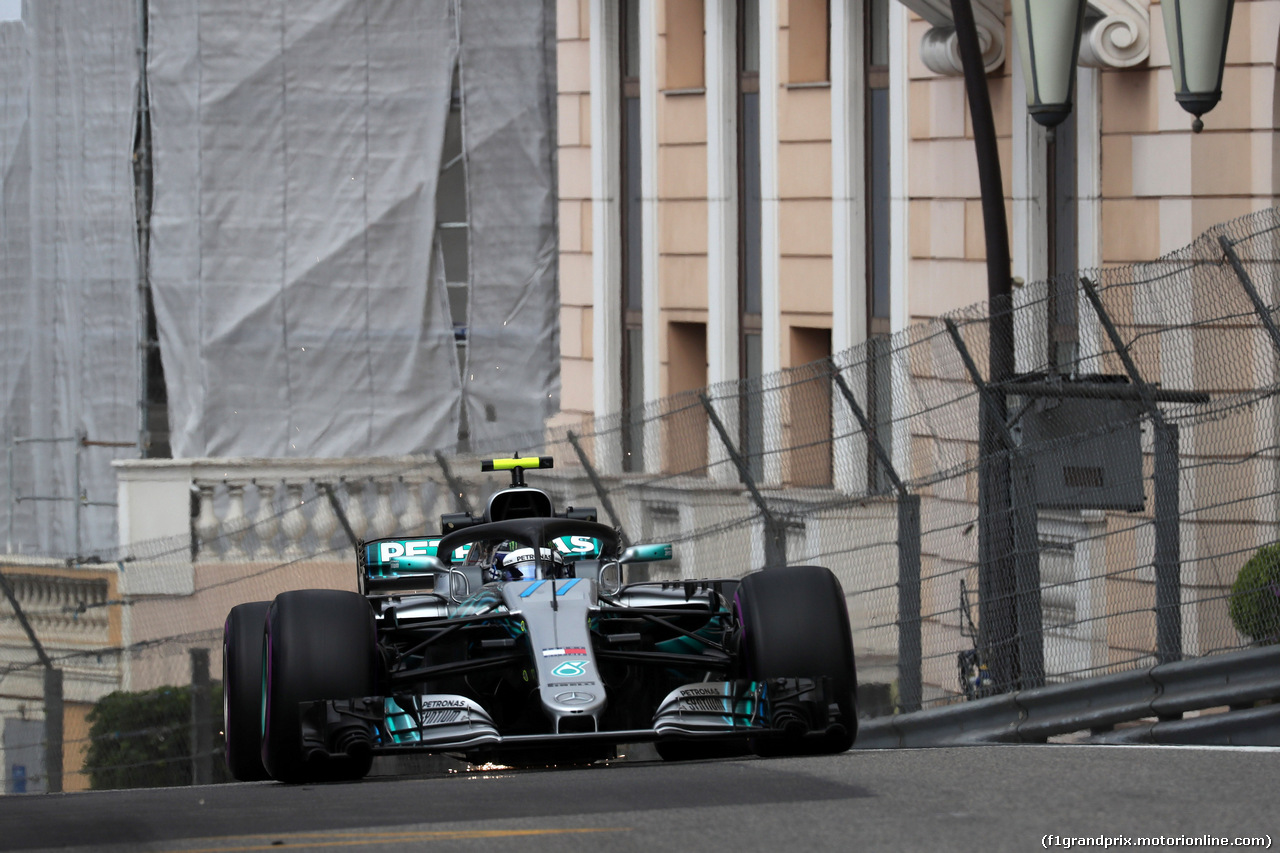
(518, 638)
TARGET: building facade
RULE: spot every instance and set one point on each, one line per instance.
(749, 185)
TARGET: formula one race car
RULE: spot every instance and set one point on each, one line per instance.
(516, 638)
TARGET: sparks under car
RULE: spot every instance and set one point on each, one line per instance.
(517, 637)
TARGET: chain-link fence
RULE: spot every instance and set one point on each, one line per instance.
(1084, 514)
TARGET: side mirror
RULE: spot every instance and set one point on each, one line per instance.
(459, 586)
(646, 554)
(609, 578)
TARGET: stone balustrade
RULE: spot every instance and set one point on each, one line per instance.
(62, 608)
(269, 517)
(274, 509)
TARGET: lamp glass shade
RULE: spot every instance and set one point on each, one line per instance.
(1197, 32)
(1048, 33)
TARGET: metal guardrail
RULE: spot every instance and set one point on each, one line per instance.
(1163, 692)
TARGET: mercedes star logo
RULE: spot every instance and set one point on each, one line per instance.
(573, 697)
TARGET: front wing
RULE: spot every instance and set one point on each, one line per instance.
(714, 710)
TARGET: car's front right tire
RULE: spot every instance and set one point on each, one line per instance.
(795, 624)
(242, 690)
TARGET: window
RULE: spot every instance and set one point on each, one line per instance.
(750, 352)
(809, 41)
(879, 374)
(685, 44)
(685, 429)
(877, 146)
(632, 258)
(809, 409)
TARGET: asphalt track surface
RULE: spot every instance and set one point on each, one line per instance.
(970, 798)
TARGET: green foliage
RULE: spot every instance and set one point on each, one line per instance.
(1255, 596)
(143, 740)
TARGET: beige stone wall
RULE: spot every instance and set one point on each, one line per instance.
(945, 247)
(1161, 184)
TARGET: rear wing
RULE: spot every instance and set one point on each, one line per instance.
(397, 566)
(401, 566)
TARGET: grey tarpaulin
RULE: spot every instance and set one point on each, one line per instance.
(71, 348)
(15, 246)
(508, 86)
(294, 257)
(296, 150)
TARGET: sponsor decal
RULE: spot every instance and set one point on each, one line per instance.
(559, 653)
(575, 545)
(571, 684)
(443, 703)
(571, 669)
(388, 551)
(573, 697)
(701, 691)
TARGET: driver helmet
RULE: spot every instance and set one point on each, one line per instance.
(520, 564)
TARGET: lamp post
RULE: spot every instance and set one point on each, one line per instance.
(997, 618)
(1048, 33)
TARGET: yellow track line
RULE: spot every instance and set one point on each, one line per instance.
(307, 840)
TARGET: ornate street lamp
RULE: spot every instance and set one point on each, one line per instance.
(1048, 33)
(1197, 31)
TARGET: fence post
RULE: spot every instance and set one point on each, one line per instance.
(1168, 545)
(910, 679)
(201, 720)
(1008, 567)
(775, 532)
(461, 504)
(1259, 307)
(599, 487)
(1028, 607)
(53, 730)
(342, 519)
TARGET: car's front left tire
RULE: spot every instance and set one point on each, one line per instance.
(319, 644)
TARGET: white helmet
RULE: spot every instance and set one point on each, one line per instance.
(521, 565)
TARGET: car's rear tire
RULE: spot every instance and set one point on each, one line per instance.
(242, 690)
(319, 644)
(795, 624)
